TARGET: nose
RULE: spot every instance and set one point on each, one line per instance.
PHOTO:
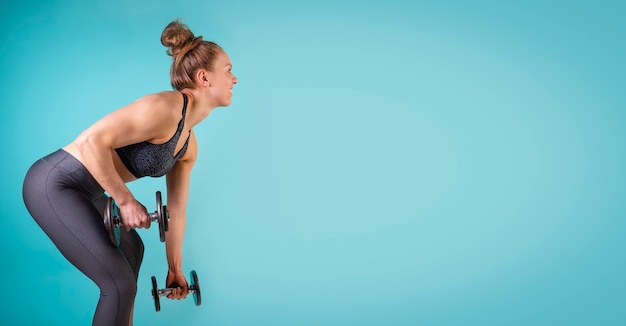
(234, 80)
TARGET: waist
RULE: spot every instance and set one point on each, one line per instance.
(73, 171)
(119, 166)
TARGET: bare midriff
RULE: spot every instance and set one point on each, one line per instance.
(122, 171)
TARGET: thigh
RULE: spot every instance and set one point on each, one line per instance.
(74, 224)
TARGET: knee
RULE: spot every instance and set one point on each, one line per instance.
(117, 297)
(122, 287)
(128, 290)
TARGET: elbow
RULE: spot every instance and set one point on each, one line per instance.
(88, 143)
(83, 142)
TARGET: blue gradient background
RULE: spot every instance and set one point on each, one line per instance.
(382, 163)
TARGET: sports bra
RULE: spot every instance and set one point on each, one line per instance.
(155, 160)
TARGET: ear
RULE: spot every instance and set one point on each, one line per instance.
(203, 78)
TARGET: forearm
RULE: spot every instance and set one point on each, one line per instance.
(177, 181)
(98, 159)
(174, 242)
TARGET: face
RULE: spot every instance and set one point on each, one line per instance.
(222, 80)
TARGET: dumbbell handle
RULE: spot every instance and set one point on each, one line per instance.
(117, 221)
(168, 291)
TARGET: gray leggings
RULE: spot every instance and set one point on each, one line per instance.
(67, 203)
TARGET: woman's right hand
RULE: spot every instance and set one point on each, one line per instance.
(134, 215)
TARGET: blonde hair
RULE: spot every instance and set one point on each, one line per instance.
(190, 53)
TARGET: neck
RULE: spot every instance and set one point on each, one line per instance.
(198, 107)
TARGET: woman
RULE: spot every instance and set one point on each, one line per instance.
(65, 191)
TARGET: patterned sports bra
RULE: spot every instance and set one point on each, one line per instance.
(155, 160)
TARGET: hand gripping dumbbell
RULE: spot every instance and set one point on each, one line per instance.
(194, 288)
(113, 221)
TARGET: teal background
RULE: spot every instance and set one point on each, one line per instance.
(382, 163)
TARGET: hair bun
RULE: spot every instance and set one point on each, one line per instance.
(190, 53)
(178, 37)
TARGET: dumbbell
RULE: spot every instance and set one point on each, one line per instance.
(113, 221)
(194, 288)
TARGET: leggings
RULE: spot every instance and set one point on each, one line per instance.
(67, 203)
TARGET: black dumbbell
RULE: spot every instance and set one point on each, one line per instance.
(113, 222)
(194, 288)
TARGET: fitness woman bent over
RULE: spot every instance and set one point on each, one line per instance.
(153, 136)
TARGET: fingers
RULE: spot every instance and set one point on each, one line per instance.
(134, 215)
(178, 293)
(144, 223)
(141, 221)
(178, 286)
(147, 222)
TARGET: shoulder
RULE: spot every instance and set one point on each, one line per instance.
(153, 110)
(159, 101)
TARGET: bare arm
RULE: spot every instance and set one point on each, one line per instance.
(178, 179)
(145, 119)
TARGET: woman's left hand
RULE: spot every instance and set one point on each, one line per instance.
(177, 282)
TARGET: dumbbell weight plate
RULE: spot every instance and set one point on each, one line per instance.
(160, 217)
(196, 285)
(110, 212)
(155, 294)
(166, 218)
